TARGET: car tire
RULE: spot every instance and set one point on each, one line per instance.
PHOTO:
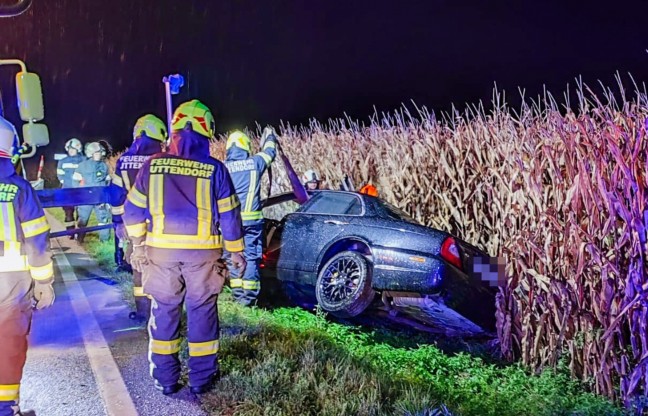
(351, 296)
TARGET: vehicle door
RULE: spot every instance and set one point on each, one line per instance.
(307, 232)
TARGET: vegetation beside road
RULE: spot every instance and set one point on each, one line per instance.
(289, 361)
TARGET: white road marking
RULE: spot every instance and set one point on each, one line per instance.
(116, 398)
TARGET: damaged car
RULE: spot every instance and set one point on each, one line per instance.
(350, 253)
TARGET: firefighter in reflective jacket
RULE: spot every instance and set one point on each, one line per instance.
(148, 135)
(64, 170)
(246, 172)
(172, 216)
(26, 272)
(93, 172)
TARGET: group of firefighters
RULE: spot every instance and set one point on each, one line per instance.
(183, 218)
(84, 167)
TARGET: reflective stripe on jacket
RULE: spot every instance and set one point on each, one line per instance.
(65, 169)
(177, 205)
(126, 169)
(246, 172)
(24, 230)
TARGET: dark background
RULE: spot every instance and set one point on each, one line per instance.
(101, 62)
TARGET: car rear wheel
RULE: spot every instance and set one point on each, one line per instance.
(343, 286)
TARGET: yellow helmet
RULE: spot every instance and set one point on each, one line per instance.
(238, 139)
(197, 115)
(152, 126)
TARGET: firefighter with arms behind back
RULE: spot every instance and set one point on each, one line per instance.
(26, 270)
(149, 134)
(180, 213)
(64, 171)
(246, 172)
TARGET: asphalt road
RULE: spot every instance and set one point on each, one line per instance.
(85, 356)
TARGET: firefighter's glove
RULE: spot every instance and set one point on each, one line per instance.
(268, 134)
(43, 295)
(238, 262)
(138, 259)
(120, 231)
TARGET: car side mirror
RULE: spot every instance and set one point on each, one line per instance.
(15, 9)
(30, 97)
(36, 135)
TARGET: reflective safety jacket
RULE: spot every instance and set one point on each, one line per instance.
(126, 169)
(24, 231)
(91, 173)
(177, 205)
(65, 169)
(246, 172)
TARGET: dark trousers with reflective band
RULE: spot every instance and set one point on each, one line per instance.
(70, 217)
(246, 288)
(197, 285)
(103, 217)
(142, 302)
(15, 321)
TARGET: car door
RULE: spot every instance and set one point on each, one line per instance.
(308, 232)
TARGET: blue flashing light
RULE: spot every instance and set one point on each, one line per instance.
(176, 81)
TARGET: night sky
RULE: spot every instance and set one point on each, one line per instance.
(101, 62)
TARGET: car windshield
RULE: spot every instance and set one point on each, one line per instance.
(395, 212)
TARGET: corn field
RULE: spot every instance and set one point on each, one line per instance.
(560, 194)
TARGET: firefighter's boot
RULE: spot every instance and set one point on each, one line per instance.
(168, 390)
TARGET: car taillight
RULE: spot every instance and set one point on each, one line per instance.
(450, 252)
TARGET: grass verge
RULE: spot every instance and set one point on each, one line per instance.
(292, 362)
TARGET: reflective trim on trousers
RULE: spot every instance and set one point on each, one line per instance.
(251, 285)
(201, 349)
(236, 283)
(164, 347)
(9, 392)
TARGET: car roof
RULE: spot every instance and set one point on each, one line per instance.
(290, 196)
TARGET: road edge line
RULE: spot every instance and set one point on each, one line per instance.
(112, 389)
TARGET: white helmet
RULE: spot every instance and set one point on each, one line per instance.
(7, 138)
(73, 144)
(310, 176)
(94, 147)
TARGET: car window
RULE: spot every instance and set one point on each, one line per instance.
(335, 203)
(277, 212)
(395, 212)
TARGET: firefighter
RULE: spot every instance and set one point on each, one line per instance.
(26, 271)
(172, 216)
(93, 172)
(246, 172)
(311, 180)
(64, 171)
(148, 135)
